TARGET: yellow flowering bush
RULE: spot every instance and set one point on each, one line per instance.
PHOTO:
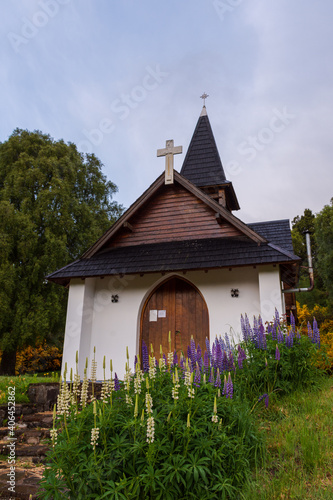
(325, 323)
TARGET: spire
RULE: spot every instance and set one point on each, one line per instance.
(202, 165)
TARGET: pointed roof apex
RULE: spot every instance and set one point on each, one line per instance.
(204, 111)
(202, 164)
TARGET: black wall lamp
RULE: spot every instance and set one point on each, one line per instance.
(234, 292)
(114, 298)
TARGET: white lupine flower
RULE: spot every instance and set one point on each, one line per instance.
(162, 364)
(64, 398)
(149, 403)
(170, 358)
(176, 386)
(129, 400)
(215, 418)
(127, 376)
(84, 389)
(150, 430)
(94, 436)
(187, 379)
(93, 370)
(152, 367)
(191, 392)
(105, 392)
(54, 436)
(138, 379)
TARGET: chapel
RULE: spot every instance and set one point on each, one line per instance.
(179, 261)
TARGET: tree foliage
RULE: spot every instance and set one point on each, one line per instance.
(54, 203)
(324, 239)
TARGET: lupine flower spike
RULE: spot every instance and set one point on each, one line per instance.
(215, 418)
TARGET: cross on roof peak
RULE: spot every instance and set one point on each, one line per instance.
(168, 152)
(204, 97)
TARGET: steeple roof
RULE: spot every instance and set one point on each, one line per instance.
(202, 165)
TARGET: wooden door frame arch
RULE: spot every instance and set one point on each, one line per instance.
(152, 289)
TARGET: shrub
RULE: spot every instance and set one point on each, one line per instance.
(43, 358)
(178, 428)
(325, 322)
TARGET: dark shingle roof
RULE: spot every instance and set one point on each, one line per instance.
(276, 231)
(180, 255)
(202, 165)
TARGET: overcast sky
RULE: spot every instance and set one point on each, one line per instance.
(120, 77)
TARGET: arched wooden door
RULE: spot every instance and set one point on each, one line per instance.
(176, 306)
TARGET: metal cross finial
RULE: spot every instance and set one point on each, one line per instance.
(204, 97)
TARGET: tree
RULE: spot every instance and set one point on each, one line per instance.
(301, 225)
(324, 239)
(54, 203)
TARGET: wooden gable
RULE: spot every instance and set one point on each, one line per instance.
(216, 220)
(173, 214)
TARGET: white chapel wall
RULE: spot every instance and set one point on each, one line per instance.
(93, 320)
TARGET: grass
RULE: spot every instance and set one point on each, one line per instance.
(298, 432)
(21, 384)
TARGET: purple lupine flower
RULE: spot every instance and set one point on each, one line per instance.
(199, 357)
(277, 353)
(218, 356)
(270, 329)
(165, 360)
(262, 336)
(280, 337)
(156, 363)
(248, 328)
(224, 391)
(182, 363)
(224, 361)
(175, 358)
(277, 316)
(206, 362)
(193, 355)
(289, 339)
(229, 388)
(218, 379)
(231, 363)
(310, 335)
(227, 342)
(211, 377)
(292, 322)
(213, 359)
(316, 333)
(135, 362)
(241, 357)
(208, 348)
(244, 331)
(189, 352)
(116, 383)
(197, 377)
(145, 357)
(266, 397)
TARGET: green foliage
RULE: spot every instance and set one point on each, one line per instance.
(54, 203)
(301, 225)
(189, 457)
(298, 438)
(324, 239)
(173, 433)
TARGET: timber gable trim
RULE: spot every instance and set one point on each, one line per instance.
(187, 185)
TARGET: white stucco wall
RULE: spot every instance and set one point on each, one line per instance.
(93, 320)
